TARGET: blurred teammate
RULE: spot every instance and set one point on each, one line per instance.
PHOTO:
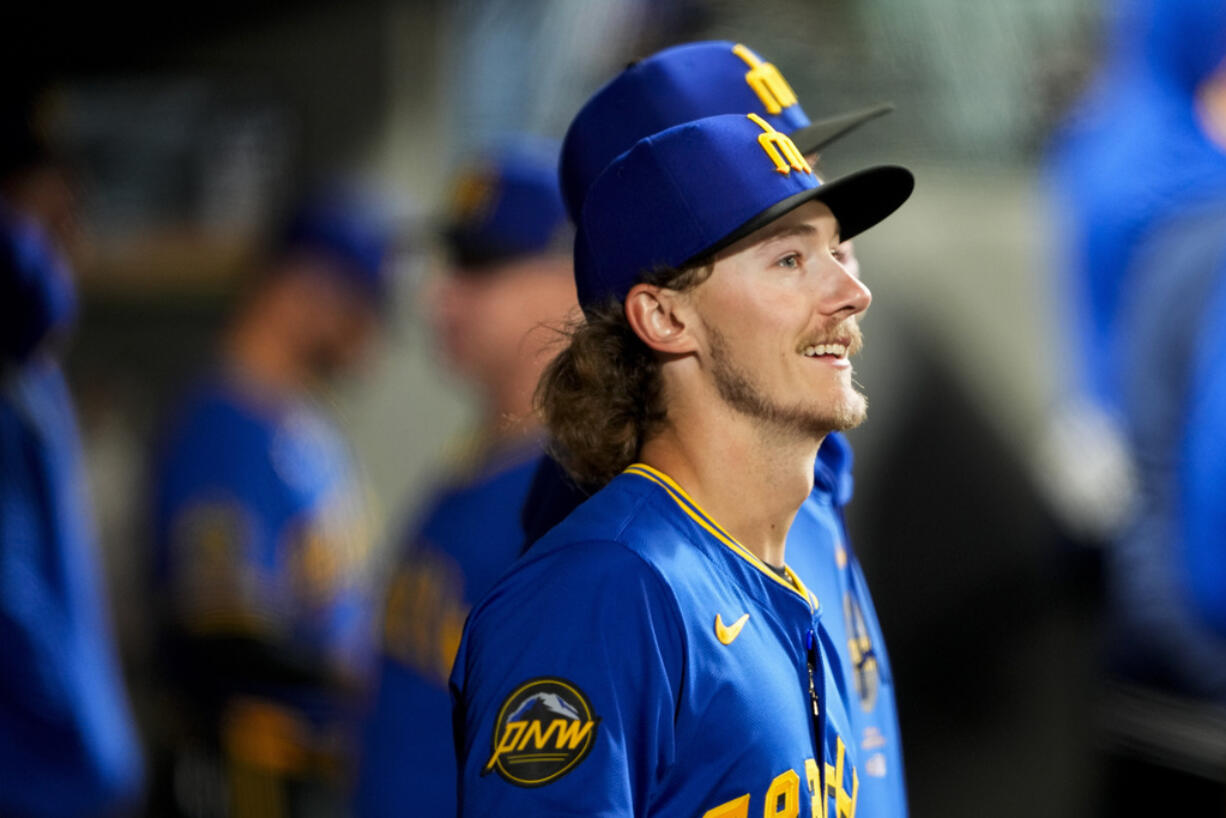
(677, 85)
(1142, 171)
(67, 744)
(653, 654)
(262, 540)
(1130, 153)
(496, 311)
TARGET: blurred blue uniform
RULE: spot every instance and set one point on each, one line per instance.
(262, 561)
(468, 537)
(1143, 189)
(1202, 471)
(67, 745)
(1131, 151)
(261, 527)
(507, 209)
(262, 555)
(639, 627)
(1166, 570)
(819, 553)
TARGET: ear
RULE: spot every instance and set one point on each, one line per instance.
(661, 318)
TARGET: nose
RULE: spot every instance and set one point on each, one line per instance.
(846, 295)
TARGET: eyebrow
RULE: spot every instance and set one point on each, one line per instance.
(785, 231)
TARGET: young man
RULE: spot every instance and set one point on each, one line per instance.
(495, 311)
(654, 654)
(681, 84)
(262, 539)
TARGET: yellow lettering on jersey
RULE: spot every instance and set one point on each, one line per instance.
(844, 804)
(817, 798)
(533, 733)
(783, 797)
(766, 81)
(736, 808)
(570, 732)
(510, 737)
(781, 150)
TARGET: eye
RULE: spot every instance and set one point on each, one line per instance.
(841, 253)
(791, 261)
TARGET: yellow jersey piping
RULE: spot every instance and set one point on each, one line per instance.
(695, 511)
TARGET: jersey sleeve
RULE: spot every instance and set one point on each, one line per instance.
(566, 688)
(1203, 471)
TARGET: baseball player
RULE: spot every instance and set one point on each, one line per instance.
(262, 537)
(508, 280)
(68, 746)
(654, 654)
(689, 82)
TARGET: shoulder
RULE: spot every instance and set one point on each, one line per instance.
(214, 451)
(568, 583)
(209, 413)
(496, 492)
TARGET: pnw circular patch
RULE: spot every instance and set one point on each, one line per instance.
(544, 729)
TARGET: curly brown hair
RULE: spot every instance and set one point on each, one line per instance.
(601, 397)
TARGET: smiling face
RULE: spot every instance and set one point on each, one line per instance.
(778, 318)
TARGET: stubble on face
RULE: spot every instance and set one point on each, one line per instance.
(808, 417)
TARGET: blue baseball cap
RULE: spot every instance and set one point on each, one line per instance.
(693, 189)
(681, 84)
(352, 229)
(506, 205)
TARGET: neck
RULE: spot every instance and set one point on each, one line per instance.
(751, 479)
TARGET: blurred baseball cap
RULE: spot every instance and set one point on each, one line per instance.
(679, 195)
(681, 84)
(354, 229)
(506, 205)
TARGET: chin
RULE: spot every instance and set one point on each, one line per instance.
(846, 413)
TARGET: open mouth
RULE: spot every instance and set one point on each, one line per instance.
(832, 351)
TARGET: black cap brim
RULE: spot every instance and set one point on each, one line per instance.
(858, 200)
(812, 138)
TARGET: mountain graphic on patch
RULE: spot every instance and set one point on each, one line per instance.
(543, 707)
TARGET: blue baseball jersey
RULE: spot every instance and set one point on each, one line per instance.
(67, 743)
(639, 661)
(469, 535)
(819, 553)
(261, 532)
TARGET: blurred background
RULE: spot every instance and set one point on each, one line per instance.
(192, 129)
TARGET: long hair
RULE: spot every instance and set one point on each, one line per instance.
(601, 397)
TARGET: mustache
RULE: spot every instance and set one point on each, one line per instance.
(846, 332)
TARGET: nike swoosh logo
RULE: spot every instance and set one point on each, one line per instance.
(728, 633)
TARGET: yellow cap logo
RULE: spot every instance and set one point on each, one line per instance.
(766, 81)
(781, 150)
(474, 195)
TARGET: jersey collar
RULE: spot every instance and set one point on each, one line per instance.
(695, 511)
